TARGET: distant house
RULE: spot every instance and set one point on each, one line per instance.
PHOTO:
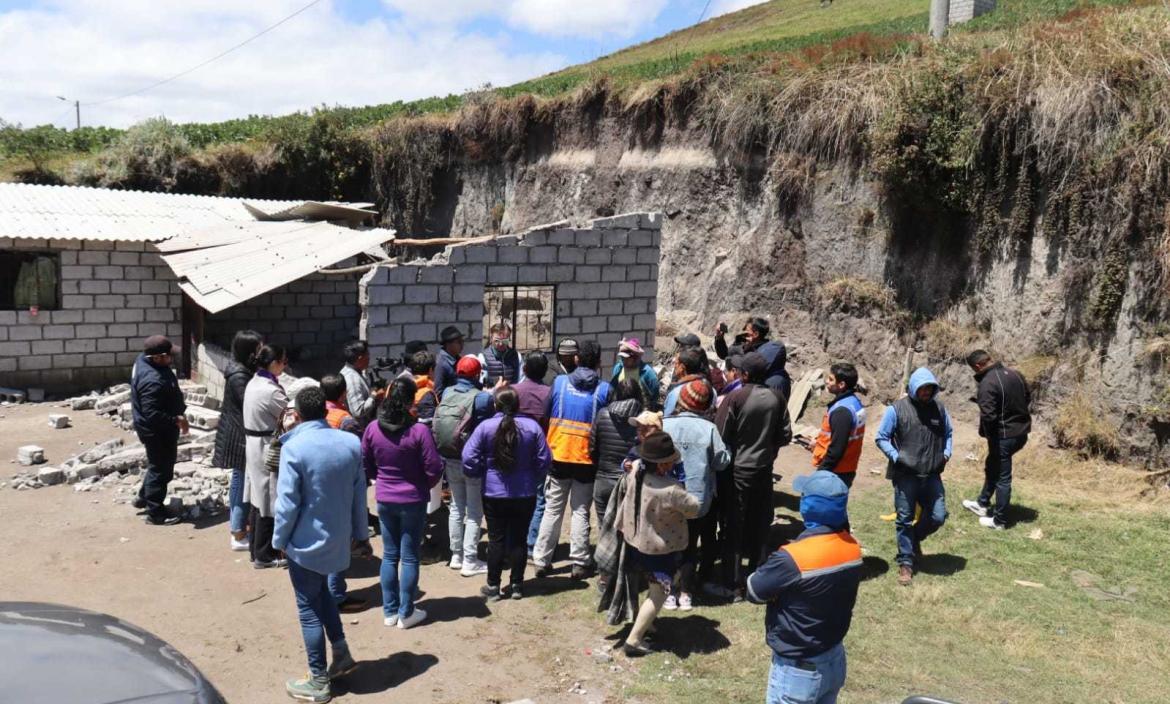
(87, 273)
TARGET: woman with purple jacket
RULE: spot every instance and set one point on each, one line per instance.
(400, 456)
(511, 454)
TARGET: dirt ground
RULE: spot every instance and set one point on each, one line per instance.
(239, 625)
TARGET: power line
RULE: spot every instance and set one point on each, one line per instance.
(218, 56)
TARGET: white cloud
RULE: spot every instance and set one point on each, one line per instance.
(583, 18)
(722, 7)
(551, 18)
(93, 50)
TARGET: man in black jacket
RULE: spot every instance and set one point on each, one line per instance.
(1005, 420)
(754, 424)
(159, 419)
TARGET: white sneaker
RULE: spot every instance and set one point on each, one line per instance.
(456, 562)
(684, 602)
(671, 603)
(473, 567)
(391, 621)
(413, 619)
(989, 522)
(974, 507)
(239, 545)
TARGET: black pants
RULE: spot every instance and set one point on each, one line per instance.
(848, 478)
(997, 475)
(161, 452)
(507, 528)
(260, 544)
(753, 519)
(603, 489)
(702, 549)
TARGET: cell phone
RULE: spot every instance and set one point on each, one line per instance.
(723, 328)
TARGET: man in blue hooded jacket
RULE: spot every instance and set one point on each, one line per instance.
(916, 436)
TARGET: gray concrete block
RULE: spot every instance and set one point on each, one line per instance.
(386, 295)
(582, 308)
(641, 238)
(587, 274)
(620, 324)
(7, 317)
(467, 293)
(130, 315)
(113, 302)
(384, 335)
(124, 330)
(427, 332)
(594, 325)
(94, 287)
(622, 290)
(80, 346)
(403, 275)
(25, 332)
(598, 255)
(470, 313)
(50, 476)
(156, 287)
(98, 316)
(650, 221)
(501, 274)
(93, 258)
(139, 273)
(542, 255)
(29, 455)
(112, 344)
(308, 299)
(471, 274)
(640, 272)
(626, 255)
(42, 347)
(32, 363)
(512, 255)
(58, 421)
(570, 255)
(614, 272)
(436, 275)
(101, 359)
(532, 274)
(560, 274)
(125, 259)
(482, 254)
(648, 255)
(76, 272)
(615, 238)
(440, 314)
(644, 322)
(420, 293)
(562, 237)
(609, 307)
(568, 326)
(588, 238)
(404, 314)
(636, 305)
(109, 273)
(535, 238)
(455, 255)
(574, 291)
(646, 289)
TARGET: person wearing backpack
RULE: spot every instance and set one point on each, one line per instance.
(463, 406)
(575, 401)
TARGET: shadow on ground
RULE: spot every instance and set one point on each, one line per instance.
(941, 564)
(453, 608)
(873, 567)
(1018, 513)
(373, 676)
(682, 637)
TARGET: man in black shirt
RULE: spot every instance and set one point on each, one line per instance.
(159, 419)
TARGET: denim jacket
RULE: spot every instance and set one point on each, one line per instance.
(703, 454)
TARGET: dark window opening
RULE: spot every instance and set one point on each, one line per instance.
(28, 280)
(528, 310)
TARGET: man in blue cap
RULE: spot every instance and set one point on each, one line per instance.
(916, 436)
(810, 587)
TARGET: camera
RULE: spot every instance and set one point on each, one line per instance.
(393, 365)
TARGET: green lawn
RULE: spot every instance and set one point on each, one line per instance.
(964, 631)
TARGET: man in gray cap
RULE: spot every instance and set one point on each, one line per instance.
(159, 419)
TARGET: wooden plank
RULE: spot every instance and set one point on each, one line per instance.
(801, 392)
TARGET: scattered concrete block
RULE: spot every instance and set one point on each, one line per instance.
(36, 395)
(97, 452)
(83, 403)
(58, 420)
(30, 454)
(110, 403)
(122, 461)
(11, 395)
(202, 418)
(51, 475)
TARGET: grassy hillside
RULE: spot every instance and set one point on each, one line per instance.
(751, 37)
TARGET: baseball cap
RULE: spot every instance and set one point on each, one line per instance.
(650, 418)
(688, 339)
(468, 366)
(820, 483)
(753, 365)
(158, 344)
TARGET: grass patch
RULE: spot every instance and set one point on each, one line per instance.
(965, 631)
(1082, 426)
(949, 342)
(859, 297)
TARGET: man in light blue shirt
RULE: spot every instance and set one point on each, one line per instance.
(320, 512)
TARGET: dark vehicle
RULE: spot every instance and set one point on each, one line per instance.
(60, 654)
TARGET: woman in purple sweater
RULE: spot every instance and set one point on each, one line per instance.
(512, 456)
(401, 458)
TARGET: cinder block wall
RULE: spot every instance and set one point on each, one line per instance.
(605, 274)
(312, 317)
(966, 10)
(113, 295)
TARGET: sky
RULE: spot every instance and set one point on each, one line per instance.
(337, 52)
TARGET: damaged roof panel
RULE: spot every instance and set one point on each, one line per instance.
(261, 256)
(74, 212)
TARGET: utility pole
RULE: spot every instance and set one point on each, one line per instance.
(940, 12)
(76, 108)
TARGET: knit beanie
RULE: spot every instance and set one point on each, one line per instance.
(695, 396)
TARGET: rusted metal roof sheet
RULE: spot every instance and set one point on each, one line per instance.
(78, 213)
(257, 257)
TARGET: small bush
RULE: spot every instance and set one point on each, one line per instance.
(147, 157)
(858, 297)
(1081, 426)
(949, 342)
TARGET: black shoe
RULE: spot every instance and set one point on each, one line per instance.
(542, 572)
(163, 520)
(516, 594)
(635, 651)
(138, 503)
(580, 572)
(490, 593)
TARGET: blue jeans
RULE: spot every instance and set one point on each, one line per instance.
(402, 529)
(337, 586)
(534, 525)
(815, 680)
(318, 613)
(997, 475)
(238, 508)
(911, 491)
(466, 511)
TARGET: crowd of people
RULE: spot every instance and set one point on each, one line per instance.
(680, 480)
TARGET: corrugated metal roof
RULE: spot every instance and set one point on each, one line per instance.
(318, 210)
(74, 212)
(263, 256)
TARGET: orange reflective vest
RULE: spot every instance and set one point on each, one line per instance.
(852, 456)
(335, 416)
(572, 419)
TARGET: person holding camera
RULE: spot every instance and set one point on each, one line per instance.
(754, 338)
